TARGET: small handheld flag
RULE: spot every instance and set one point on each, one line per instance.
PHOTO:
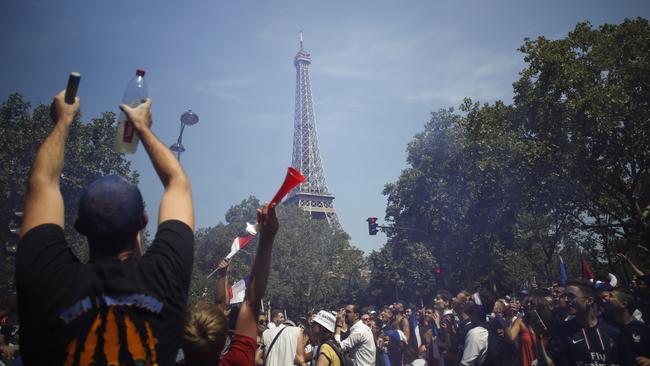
(251, 229)
(413, 320)
(238, 244)
(564, 277)
(238, 291)
(586, 270)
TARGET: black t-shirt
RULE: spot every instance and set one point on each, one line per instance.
(635, 341)
(593, 346)
(104, 312)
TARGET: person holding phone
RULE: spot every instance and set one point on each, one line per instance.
(584, 339)
(529, 330)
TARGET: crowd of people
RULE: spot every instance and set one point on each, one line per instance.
(575, 324)
(129, 307)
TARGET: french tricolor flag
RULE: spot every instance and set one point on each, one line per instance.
(239, 243)
(237, 292)
(415, 329)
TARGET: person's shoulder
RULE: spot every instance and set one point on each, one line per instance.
(362, 327)
(478, 331)
(43, 246)
(175, 226)
(241, 352)
(569, 327)
(327, 349)
(44, 228)
(267, 333)
(608, 328)
(240, 339)
(271, 332)
(172, 236)
(295, 330)
(636, 323)
(39, 233)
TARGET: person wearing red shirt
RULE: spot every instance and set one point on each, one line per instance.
(207, 327)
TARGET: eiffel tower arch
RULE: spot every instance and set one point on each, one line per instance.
(313, 195)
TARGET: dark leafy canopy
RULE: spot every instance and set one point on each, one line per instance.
(88, 156)
(313, 266)
(501, 189)
(586, 100)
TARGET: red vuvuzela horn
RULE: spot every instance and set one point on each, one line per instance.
(292, 179)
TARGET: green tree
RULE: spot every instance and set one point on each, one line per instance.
(586, 99)
(463, 190)
(501, 189)
(402, 271)
(313, 265)
(88, 156)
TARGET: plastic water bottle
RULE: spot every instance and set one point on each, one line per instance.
(126, 140)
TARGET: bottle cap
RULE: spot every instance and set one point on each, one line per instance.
(139, 72)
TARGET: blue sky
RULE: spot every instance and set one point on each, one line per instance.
(378, 69)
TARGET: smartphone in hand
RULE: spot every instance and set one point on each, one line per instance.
(538, 320)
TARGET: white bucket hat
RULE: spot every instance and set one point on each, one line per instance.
(326, 319)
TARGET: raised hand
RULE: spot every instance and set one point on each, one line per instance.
(139, 116)
(267, 221)
(62, 111)
(222, 269)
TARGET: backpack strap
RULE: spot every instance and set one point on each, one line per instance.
(319, 353)
(268, 351)
(337, 350)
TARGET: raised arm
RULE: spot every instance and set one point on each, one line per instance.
(44, 202)
(635, 268)
(340, 320)
(247, 319)
(221, 293)
(406, 329)
(176, 202)
(512, 331)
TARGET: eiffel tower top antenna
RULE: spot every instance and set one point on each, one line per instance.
(301, 40)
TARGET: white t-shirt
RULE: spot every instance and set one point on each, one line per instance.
(284, 349)
(360, 344)
(476, 344)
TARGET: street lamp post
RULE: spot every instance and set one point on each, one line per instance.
(187, 119)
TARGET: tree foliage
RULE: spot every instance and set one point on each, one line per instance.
(88, 155)
(313, 266)
(502, 190)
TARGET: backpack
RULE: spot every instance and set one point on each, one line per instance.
(343, 356)
(499, 351)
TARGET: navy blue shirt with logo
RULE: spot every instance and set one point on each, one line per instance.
(586, 346)
(635, 341)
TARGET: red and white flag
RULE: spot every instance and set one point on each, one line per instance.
(239, 243)
(237, 292)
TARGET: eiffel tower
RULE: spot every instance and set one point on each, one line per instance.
(313, 195)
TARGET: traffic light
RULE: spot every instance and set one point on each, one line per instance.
(437, 272)
(372, 225)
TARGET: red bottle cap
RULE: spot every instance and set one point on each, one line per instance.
(139, 72)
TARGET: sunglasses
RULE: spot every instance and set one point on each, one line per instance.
(262, 322)
(568, 296)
